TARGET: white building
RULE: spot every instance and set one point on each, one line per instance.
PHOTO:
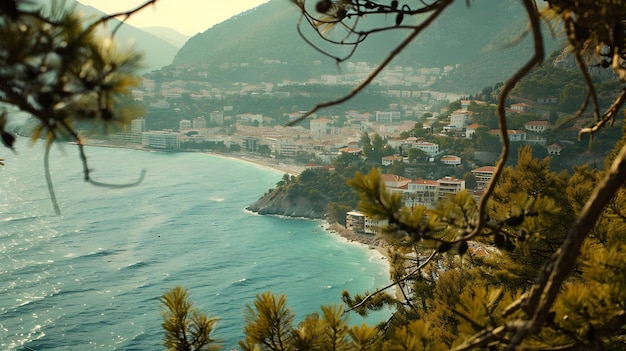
(483, 176)
(514, 135)
(450, 186)
(460, 118)
(537, 126)
(216, 117)
(387, 117)
(321, 127)
(138, 125)
(161, 140)
(184, 124)
(450, 160)
(355, 221)
(374, 226)
(422, 192)
(429, 148)
(199, 122)
(389, 160)
(251, 118)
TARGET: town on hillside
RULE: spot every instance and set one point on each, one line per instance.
(429, 144)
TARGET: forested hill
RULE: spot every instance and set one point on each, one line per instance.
(315, 193)
(473, 36)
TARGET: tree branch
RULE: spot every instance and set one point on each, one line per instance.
(416, 31)
(405, 278)
(537, 58)
(543, 293)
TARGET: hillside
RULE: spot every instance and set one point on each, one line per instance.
(157, 52)
(474, 37)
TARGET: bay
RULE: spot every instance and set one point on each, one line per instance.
(91, 278)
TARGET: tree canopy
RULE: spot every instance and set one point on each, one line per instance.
(536, 263)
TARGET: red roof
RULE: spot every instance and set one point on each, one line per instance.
(393, 178)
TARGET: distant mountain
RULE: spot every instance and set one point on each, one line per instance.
(157, 52)
(168, 34)
(473, 37)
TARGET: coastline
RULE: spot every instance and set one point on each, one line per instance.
(371, 241)
(291, 169)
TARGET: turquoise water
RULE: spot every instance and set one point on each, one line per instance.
(91, 278)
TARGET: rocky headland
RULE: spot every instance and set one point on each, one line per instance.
(281, 203)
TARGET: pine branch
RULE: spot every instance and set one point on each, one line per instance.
(405, 278)
(543, 293)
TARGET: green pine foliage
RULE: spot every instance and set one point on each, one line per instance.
(186, 328)
(58, 69)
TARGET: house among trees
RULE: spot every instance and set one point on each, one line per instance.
(451, 160)
(459, 119)
(394, 181)
(548, 100)
(521, 107)
(514, 134)
(555, 149)
(537, 126)
(389, 160)
(355, 151)
(471, 129)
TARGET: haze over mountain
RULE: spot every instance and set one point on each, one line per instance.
(168, 34)
(158, 52)
(473, 37)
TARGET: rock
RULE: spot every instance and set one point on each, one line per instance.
(279, 203)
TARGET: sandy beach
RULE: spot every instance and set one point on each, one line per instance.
(289, 168)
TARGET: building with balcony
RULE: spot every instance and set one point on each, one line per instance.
(483, 176)
(355, 221)
(163, 140)
(198, 123)
(450, 186)
(537, 126)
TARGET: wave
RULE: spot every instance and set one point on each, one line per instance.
(135, 265)
(100, 253)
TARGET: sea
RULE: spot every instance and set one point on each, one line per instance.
(91, 277)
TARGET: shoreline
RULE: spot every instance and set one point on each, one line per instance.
(264, 162)
(291, 169)
(372, 242)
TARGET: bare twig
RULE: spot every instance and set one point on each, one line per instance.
(46, 166)
(416, 31)
(125, 14)
(405, 278)
(537, 58)
(609, 115)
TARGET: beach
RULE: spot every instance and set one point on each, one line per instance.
(289, 168)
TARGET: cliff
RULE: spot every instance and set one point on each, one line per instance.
(282, 203)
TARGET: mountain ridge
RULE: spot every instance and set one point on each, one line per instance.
(472, 37)
(157, 52)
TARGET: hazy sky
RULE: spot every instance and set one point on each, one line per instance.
(186, 16)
